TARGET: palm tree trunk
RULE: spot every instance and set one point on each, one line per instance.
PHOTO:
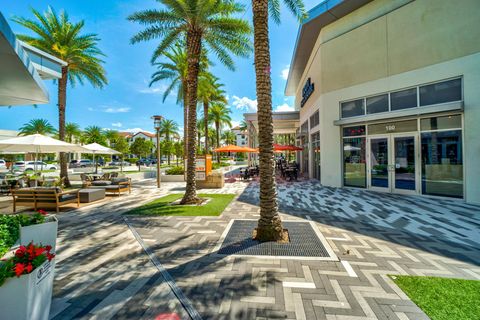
(194, 47)
(205, 122)
(269, 225)
(217, 129)
(62, 104)
(185, 119)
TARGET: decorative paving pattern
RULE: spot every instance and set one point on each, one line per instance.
(304, 242)
(372, 234)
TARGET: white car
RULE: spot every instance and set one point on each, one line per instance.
(31, 166)
(3, 164)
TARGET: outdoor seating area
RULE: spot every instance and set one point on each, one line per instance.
(288, 170)
(44, 198)
(249, 172)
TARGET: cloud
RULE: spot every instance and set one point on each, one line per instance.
(157, 90)
(90, 109)
(234, 124)
(135, 130)
(116, 110)
(117, 124)
(284, 108)
(245, 103)
(285, 72)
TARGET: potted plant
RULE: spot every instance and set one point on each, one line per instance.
(41, 228)
(26, 281)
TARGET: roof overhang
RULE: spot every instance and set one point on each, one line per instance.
(283, 122)
(323, 14)
(22, 69)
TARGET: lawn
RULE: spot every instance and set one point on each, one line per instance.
(163, 206)
(443, 298)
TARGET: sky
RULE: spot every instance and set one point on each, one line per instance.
(127, 102)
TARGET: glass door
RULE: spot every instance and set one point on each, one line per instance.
(405, 155)
(379, 159)
(393, 163)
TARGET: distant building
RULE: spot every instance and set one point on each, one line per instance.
(241, 137)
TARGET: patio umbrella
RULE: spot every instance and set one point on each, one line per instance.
(37, 143)
(95, 149)
(233, 148)
(279, 147)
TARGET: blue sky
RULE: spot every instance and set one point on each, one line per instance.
(127, 103)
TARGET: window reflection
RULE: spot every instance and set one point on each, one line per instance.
(354, 169)
(442, 163)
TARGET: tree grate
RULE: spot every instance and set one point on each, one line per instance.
(304, 241)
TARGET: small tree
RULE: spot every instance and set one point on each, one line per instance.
(178, 147)
(141, 147)
(121, 145)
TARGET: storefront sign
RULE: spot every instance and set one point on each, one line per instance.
(200, 169)
(307, 91)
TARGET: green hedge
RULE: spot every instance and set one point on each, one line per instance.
(9, 228)
(132, 160)
(175, 171)
(216, 165)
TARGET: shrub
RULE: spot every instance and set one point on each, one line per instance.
(217, 165)
(9, 227)
(175, 171)
(132, 160)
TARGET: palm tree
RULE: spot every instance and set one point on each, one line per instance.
(209, 91)
(72, 132)
(168, 128)
(94, 134)
(112, 136)
(229, 137)
(200, 132)
(198, 23)
(220, 116)
(243, 125)
(60, 37)
(40, 126)
(269, 225)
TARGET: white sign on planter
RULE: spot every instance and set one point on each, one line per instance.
(43, 233)
(28, 297)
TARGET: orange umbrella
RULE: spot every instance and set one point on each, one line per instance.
(232, 148)
(279, 148)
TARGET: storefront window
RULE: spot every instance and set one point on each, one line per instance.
(377, 104)
(441, 123)
(316, 155)
(441, 92)
(353, 108)
(442, 163)
(404, 99)
(354, 164)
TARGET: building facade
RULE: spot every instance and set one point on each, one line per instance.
(388, 93)
(241, 136)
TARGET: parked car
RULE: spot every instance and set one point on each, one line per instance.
(3, 164)
(145, 162)
(32, 165)
(119, 163)
(83, 163)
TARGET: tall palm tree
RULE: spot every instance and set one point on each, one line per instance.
(60, 37)
(94, 134)
(168, 128)
(40, 126)
(209, 91)
(72, 132)
(243, 125)
(269, 225)
(199, 23)
(219, 115)
(229, 137)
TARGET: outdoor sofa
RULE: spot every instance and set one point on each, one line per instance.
(114, 186)
(44, 198)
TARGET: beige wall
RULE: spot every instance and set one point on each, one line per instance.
(396, 44)
(391, 37)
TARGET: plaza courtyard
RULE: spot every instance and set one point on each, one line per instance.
(116, 266)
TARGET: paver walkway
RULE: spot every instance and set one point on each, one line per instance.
(373, 235)
(102, 271)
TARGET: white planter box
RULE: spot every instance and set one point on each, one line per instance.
(28, 297)
(173, 178)
(44, 233)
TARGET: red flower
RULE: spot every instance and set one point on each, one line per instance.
(29, 268)
(21, 251)
(48, 248)
(19, 267)
(42, 212)
(39, 251)
(50, 256)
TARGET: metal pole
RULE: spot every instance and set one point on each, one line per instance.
(158, 157)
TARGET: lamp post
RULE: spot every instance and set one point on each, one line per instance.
(157, 120)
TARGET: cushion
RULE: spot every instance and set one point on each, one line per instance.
(67, 197)
(116, 181)
(58, 189)
(101, 183)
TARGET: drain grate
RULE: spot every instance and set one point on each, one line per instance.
(304, 242)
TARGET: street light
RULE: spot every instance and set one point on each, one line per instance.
(157, 121)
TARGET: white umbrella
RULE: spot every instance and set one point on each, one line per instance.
(96, 148)
(37, 143)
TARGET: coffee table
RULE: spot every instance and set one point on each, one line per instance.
(90, 195)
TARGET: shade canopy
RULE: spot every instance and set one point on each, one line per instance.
(96, 148)
(37, 143)
(233, 148)
(279, 147)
